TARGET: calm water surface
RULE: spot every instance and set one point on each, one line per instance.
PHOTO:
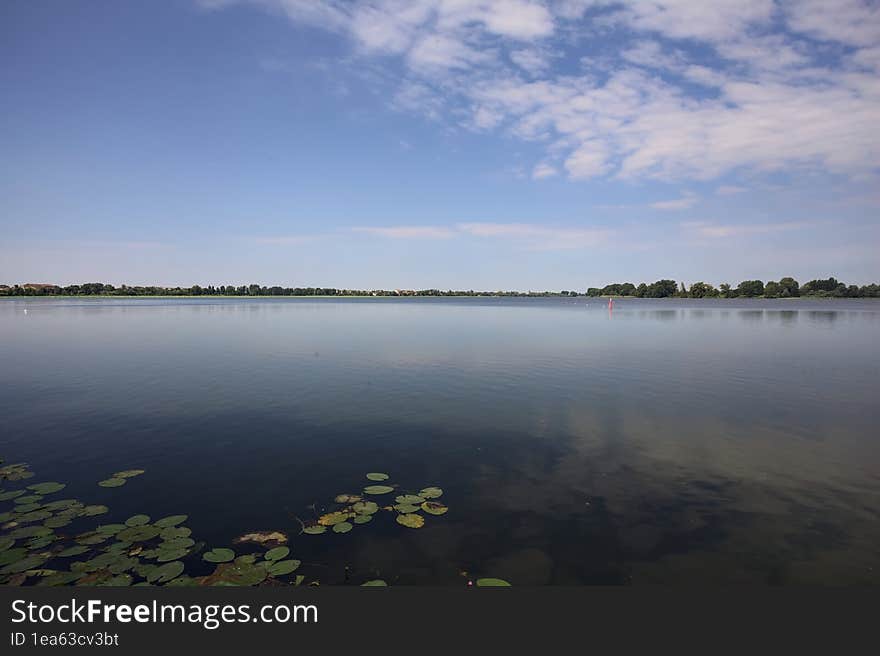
(670, 441)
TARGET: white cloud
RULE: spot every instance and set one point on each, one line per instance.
(769, 100)
(409, 232)
(687, 200)
(539, 237)
(719, 231)
(730, 190)
(543, 170)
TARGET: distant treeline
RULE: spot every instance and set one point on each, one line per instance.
(103, 289)
(784, 288)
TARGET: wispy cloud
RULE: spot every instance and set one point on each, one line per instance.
(687, 200)
(408, 232)
(544, 170)
(719, 231)
(777, 78)
(539, 237)
(730, 190)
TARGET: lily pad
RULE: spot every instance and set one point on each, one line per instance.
(164, 555)
(263, 537)
(378, 489)
(362, 519)
(344, 527)
(237, 574)
(11, 494)
(12, 555)
(60, 578)
(57, 522)
(175, 532)
(492, 583)
(166, 572)
(112, 482)
(6, 543)
(47, 488)
(406, 508)
(219, 555)
(247, 559)
(91, 511)
(30, 562)
(333, 518)
(409, 498)
(91, 538)
(31, 532)
(173, 520)
(28, 498)
(128, 473)
(118, 581)
(431, 493)
(365, 507)
(315, 529)
(283, 567)
(138, 533)
(277, 553)
(181, 581)
(41, 542)
(73, 551)
(434, 508)
(137, 520)
(62, 504)
(375, 583)
(28, 507)
(411, 520)
(177, 543)
(347, 498)
(377, 476)
(110, 529)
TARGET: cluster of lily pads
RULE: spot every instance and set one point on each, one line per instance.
(38, 543)
(360, 508)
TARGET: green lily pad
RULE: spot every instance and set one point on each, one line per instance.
(60, 578)
(47, 488)
(182, 582)
(25, 508)
(219, 555)
(375, 583)
(137, 520)
(73, 551)
(12, 555)
(30, 562)
(164, 555)
(91, 538)
(344, 527)
(28, 498)
(175, 532)
(110, 529)
(365, 507)
(247, 559)
(177, 543)
(334, 518)
(128, 473)
(411, 520)
(362, 519)
(173, 520)
(492, 583)
(410, 499)
(378, 489)
(166, 572)
(315, 529)
(283, 567)
(406, 508)
(277, 553)
(431, 493)
(112, 482)
(62, 504)
(91, 511)
(377, 476)
(138, 533)
(434, 508)
(238, 574)
(31, 532)
(11, 494)
(118, 581)
(57, 522)
(6, 543)
(347, 498)
(41, 542)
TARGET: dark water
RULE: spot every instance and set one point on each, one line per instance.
(669, 442)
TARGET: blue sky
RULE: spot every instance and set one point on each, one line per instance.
(511, 144)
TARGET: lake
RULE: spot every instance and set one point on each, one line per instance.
(668, 441)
